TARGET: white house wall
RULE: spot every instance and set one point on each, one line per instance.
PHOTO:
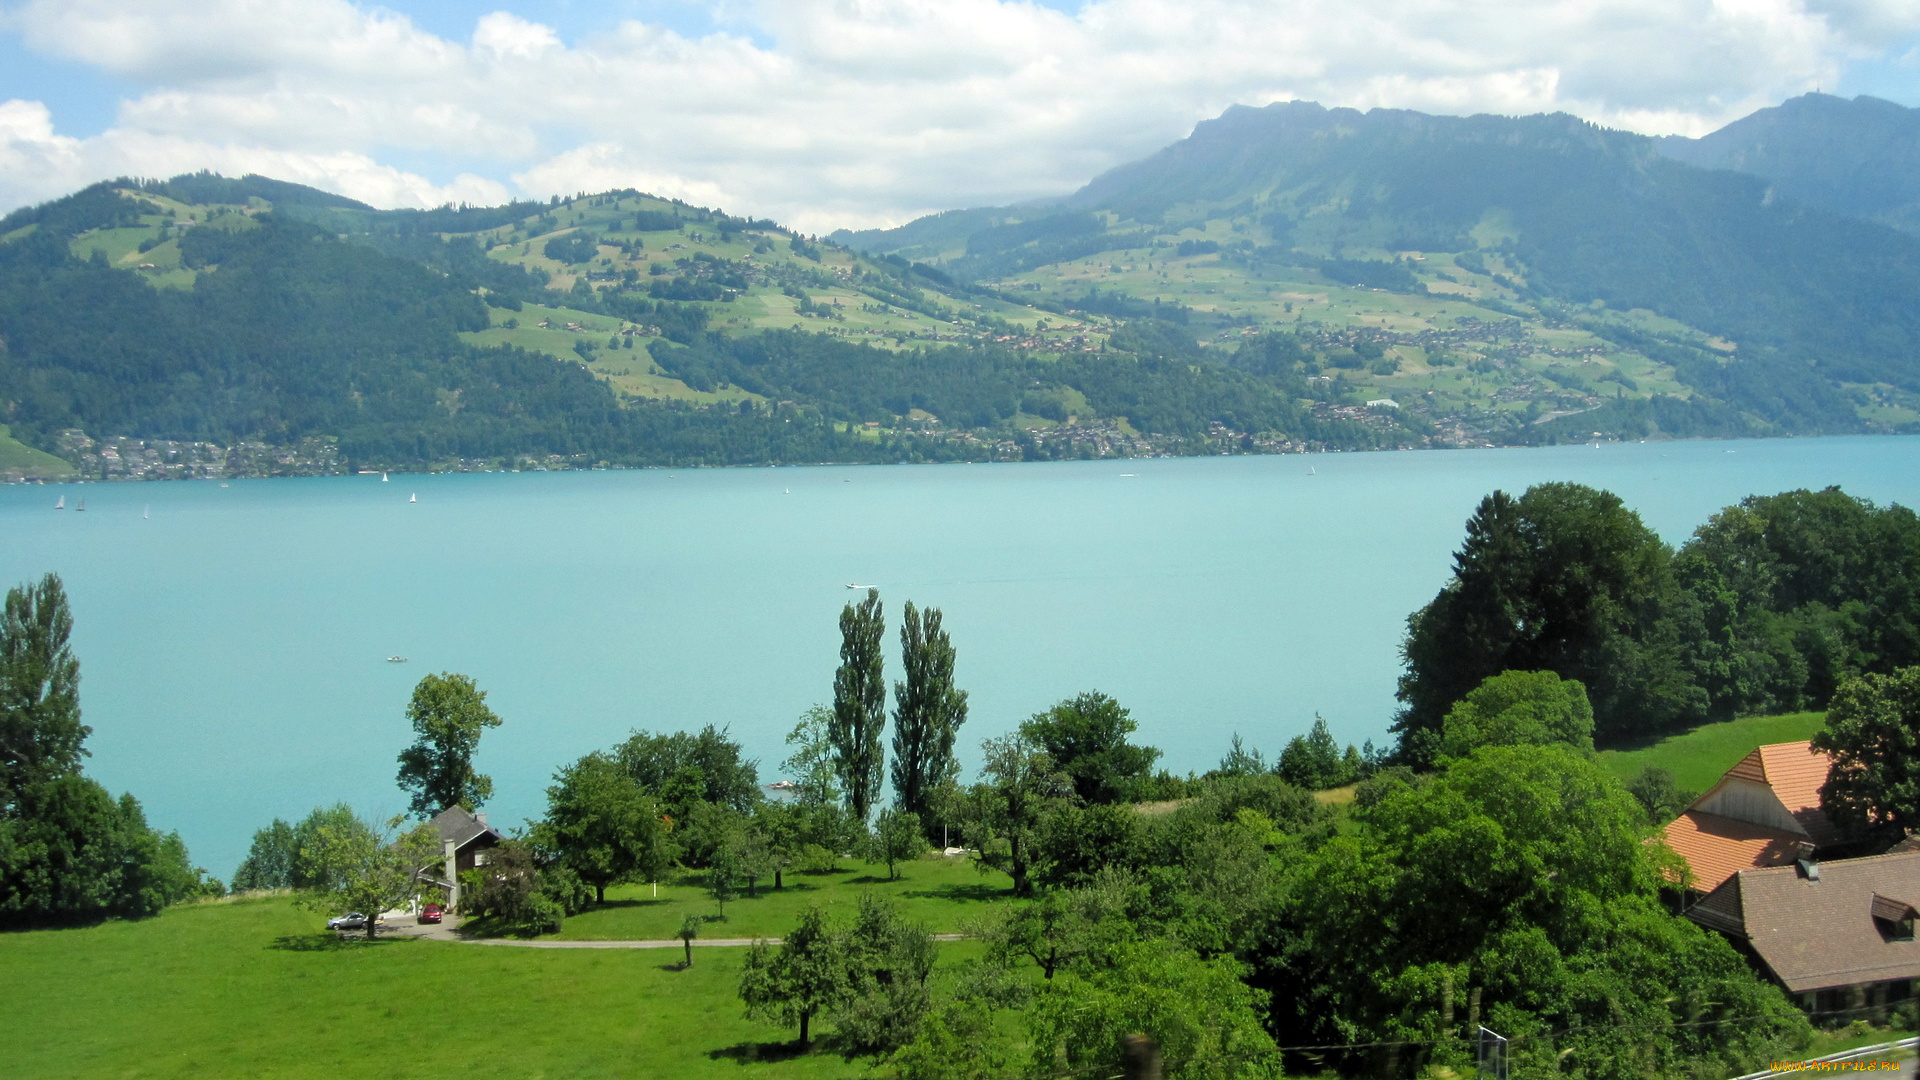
(1744, 800)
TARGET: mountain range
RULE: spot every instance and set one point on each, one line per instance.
(1286, 278)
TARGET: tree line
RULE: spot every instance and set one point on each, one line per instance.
(1768, 607)
(70, 852)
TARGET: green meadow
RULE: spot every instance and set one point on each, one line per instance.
(258, 988)
(941, 893)
(1697, 758)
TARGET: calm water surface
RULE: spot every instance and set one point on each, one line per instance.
(233, 640)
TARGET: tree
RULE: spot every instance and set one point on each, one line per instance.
(1539, 909)
(1519, 708)
(449, 714)
(1563, 579)
(1796, 592)
(1086, 738)
(689, 930)
(41, 736)
(603, 826)
(358, 867)
(804, 976)
(1202, 1018)
(1873, 733)
(508, 891)
(683, 768)
(860, 706)
(69, 851)
(1312, 761)
(1018, 784)
(927, 715)
(897, 837)
(270, 859)
(888, 961)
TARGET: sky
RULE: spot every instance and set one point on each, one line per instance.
(856, 113)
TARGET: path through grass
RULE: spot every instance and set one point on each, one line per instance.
(257, 988)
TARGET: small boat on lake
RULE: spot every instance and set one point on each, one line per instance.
(396, 659)
(413, 498)
(82, 504)
(383, 478)
(851, 585)
(60, 503)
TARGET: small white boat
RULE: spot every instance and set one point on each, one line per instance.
(60, 503)
(82, 504)
(787, 491)
(396, 659)
(1310, 470)
(851, 585)
(413, 498)
(383, 478)
(782, 785)
(146, 513)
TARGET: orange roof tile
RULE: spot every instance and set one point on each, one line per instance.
(1716, 848)
(1795, 771)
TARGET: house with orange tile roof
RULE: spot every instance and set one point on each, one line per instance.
(1764, 812)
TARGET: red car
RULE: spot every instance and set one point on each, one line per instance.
(431, 913)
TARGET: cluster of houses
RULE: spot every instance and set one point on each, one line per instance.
(1832, 924)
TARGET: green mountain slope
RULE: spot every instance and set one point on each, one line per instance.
(1858, 157)
(1491, 272)
(207, 325)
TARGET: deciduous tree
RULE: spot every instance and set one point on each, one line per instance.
(803, 976)
(449, 714)
(1873, 733)
(1086, 738)
(360, 867)
(601, 825)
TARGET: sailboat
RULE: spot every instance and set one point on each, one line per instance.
(146, 513)
(383, 478)
(414, 498)
(60, 503)
(1309, 470)
(82, 504)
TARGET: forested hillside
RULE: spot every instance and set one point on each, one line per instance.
(1525, 266)
(205, 325)
(1289, 278)
(1858, 157)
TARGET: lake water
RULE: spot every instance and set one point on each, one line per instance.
(233, 639)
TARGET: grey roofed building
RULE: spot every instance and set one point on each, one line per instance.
(465, 838)
(1837, 935)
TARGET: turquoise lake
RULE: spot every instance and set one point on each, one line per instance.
(234, 639)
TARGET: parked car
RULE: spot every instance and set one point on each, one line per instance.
(431, 913)
(352, 920)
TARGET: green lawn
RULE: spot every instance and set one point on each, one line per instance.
(16, 456)
(937, 891)
(257, 989)
(1697, 758)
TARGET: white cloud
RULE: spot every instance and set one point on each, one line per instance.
(827, 112)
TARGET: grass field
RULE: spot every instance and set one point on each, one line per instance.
(18, 457)
(1697, 758)
(937, 891)
(257, 988)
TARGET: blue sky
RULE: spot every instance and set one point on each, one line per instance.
(846, 112)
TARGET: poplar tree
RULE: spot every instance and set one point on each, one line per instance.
(928, 712)
(860, 706)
